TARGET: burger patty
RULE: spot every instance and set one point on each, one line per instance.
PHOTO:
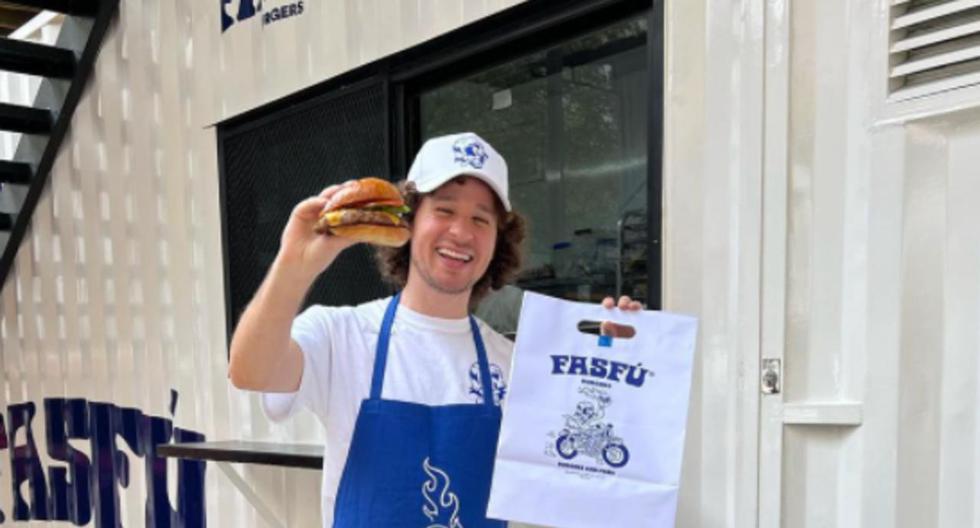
(361, 216)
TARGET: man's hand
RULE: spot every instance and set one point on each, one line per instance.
(303, 250)
(626, 304)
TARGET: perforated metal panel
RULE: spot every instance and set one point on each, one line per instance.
(272, 164)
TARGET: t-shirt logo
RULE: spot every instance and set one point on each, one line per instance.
(498, 385)
(441, 504)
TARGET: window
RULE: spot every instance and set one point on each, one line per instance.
(571, 120)
(270, 165)
(564, 94)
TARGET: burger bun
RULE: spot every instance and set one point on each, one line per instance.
(393, 236)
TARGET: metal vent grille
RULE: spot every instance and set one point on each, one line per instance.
(272, 164)
(935, 46)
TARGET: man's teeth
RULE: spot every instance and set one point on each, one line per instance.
(454, 255)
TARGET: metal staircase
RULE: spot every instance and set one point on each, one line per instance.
(24, 179)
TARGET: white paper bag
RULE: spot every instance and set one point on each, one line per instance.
(593, 435)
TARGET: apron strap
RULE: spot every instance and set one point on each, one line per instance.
(481, 358)
(381, 350)
(381, 354)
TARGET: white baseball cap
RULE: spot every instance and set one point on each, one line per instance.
(446, 157)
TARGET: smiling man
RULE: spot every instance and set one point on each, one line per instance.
(408, 388)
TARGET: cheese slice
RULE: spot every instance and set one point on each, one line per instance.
(333, 217)
(394, 218)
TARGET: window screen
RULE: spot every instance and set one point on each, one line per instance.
(273, 162)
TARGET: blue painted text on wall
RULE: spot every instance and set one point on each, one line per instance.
(80, 489)
(249, 8)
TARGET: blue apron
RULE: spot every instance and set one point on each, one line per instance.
(415, 466)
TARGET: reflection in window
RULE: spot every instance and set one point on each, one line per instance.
(571, 121)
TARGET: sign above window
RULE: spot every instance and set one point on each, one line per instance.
(253, 9)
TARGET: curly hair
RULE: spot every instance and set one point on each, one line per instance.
(393, 263)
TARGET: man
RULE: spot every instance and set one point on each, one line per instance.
(386, 378)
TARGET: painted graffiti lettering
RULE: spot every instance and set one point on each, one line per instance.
(79, 489)
(25, 466)
(70, 493)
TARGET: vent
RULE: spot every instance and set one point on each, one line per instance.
(934, 46)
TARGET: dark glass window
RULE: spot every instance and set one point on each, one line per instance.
(562, 93)
(571, 120)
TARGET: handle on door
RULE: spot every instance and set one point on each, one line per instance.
(771, 374)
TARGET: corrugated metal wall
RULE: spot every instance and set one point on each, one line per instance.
(883, 286)
(803, 220)
(712, 238)
(810, 219)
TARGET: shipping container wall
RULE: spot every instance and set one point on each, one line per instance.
(808, 218)
(713, 91)
(816, 217)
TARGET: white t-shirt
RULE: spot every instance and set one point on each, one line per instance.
(430, 361)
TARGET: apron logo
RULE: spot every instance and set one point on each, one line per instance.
(586, 434)
(444, 512)
(499, 386)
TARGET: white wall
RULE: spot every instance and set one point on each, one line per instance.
(810, 219)
(805, 219)
(118, 293)
(712, 168)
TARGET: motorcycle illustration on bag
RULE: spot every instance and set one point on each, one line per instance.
(586, 434)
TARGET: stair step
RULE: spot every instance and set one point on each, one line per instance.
(6, 221)
(68, 7)
(25, 119)
(15, 172)
(36, 59)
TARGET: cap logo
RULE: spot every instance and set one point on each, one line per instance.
(469, 151)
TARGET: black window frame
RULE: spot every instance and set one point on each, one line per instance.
(493, 40)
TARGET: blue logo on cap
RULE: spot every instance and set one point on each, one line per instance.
(469, 151)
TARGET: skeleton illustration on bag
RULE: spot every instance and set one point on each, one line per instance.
(586, 434)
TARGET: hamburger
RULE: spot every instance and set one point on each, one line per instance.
(367, 210)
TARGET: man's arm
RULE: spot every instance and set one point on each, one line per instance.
(263, 356)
